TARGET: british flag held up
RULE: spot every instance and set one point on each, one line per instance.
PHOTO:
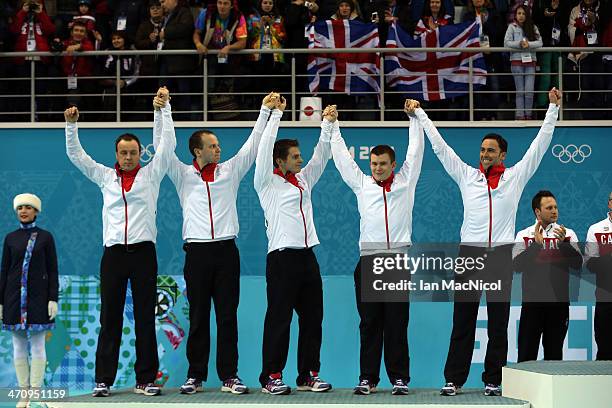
(347, 73)
(433, 76)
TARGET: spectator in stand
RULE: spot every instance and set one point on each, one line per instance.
(347, 10)
(86, 16)
(299, 15)
(551, 16)
(128, 15)
(585, 30)
(175, 34)
(523, 35)
(492, 36)
(607, 60)
(104, 17)
(31, 26)
(147, 38)
(434, 15)
(222, 28)
(514, 4)
(419, 8)
(387, 13)
(266, 31)
(77, 67)
(129, 69)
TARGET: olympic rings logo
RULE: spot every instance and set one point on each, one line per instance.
(571, 152)
(146, 153)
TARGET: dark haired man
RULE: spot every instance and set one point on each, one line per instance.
(129, 194)
(544, 253)
(598, 255)
(207, 191)
(490, 200)
(385, 209)
(292, 273)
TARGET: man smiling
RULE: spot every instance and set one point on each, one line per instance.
(490, 200)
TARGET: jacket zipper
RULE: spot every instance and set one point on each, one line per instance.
(210, 211)
(490, 213)
(303, 220)
(125, 232)
(386, 218)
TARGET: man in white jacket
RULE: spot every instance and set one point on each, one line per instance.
(292, 272)
(385, 201)
(208, 191)
(490, 200)
(129, 195)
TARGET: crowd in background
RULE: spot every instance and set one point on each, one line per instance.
(225, 25)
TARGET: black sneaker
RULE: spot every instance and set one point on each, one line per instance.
(191, 386)
(400, 387)
(492, 390)
(276, 386)
(450, 389)
(234, 385)
(101, 390)
(148, 389)
(365, 387)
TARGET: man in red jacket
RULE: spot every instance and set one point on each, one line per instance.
(32, 26)
(75, 67)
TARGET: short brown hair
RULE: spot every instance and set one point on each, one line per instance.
(195, 141)
(281, 149)
(382, 149)
(127, 137)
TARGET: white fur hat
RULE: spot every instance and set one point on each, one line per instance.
(27, 199)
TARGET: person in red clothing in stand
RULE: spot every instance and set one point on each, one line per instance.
(76, 67)
(32, 26)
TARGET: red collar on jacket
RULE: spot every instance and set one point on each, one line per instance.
(386, 183)
(493, 174)
(289, 176)
(208, 172)
(127, 177)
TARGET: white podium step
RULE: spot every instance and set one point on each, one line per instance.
(560, 384)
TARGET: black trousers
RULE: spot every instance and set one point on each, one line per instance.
(382, 324)
(498, 266)
(212, 272)
(293, 283)
(138, 264)
(603, 330)
(542, 320)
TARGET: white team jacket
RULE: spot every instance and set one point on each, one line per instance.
(489, 215)
(385, 217)
(599, 239)
(209, 208)
(287, 208)
(526, 237)
(128, 217)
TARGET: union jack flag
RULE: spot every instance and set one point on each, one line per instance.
(433, 76)
(348, 73)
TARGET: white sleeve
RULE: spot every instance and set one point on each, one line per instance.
(454, 166)
(519, 245)
(348, 169)
(591, 247)
(242, 161)
(165, 150)
(174, 165)
(528, 165)
(264, 165)
(322, 153)
(411, 169)
(94, 171)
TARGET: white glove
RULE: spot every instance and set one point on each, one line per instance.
(52, 309)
